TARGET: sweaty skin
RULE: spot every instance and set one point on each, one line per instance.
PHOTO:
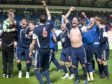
(76, 37)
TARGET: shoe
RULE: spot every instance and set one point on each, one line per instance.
(107, 77)
(20, 74)
(27, 75)
(4, 75)
(76, 82)
(92, 79)
(71, 77)
(49, 83)
(66, 76)
(9, 75)
(102, 76)
(85, 82)
(88, 79)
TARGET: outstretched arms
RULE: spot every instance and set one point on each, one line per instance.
(47, 10)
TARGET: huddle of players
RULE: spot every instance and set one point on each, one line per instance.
(78, 45)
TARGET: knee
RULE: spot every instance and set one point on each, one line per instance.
(67, 64)
(104, 62)
(62, 63)
(28, 62)
(84, 65)
(74, 66)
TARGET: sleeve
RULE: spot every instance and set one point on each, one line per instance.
(105, 32)
(104, 39)
(34, 35)
(5, 27)
(50, 24)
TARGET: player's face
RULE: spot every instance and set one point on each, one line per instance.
(63, 27)
(97, 22)
(75, 22)
(31, 26)
(24, 23)
(11, 15)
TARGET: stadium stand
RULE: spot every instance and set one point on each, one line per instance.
(71, 2)
(110, 4)
(101, 3)
(56, 2)
(85, 3)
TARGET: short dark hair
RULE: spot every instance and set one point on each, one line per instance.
(23, 18)
(10, 10)
(100, 20)
(43, 19)
(32, 22)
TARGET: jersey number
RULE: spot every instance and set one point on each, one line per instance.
(44, 33)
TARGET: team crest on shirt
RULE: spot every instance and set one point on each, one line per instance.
(44, 33)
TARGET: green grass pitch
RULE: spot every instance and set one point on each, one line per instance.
(54, 75)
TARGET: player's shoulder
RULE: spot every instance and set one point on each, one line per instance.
(6, 21)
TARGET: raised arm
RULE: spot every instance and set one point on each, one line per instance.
(86, 18)
(47, 10)
(69, 12)
(32, 47)
(65, 17)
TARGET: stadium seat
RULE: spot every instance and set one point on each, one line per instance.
(101, 3)
(71, 2)
(56, 2)
(85, 3)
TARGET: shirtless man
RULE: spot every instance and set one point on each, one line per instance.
(77, 49)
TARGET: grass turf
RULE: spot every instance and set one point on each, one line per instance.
(54, 75)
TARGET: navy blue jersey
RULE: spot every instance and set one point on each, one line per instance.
(63, 37)
(42, 33)
(23, 39)
(103, 39)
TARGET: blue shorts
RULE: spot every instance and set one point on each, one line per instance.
(104, 54)
(42, 59)
(22, 52)
(78, 54)
(65, 54)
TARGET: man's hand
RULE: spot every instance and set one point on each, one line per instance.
(44, 3)
(14, 29)
(30, 54)
(72, 8)
(83, 14)
(15, 44)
